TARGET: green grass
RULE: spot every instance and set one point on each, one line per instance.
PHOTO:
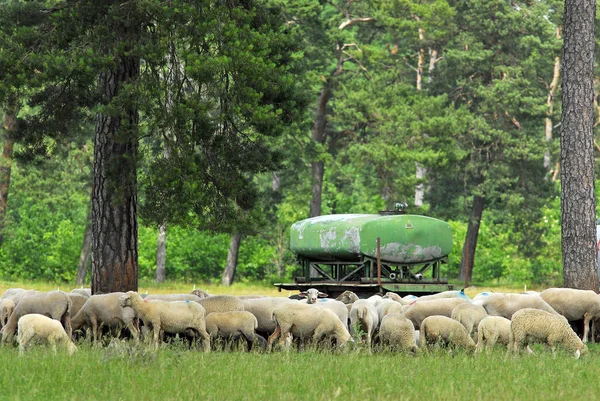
(125, 372)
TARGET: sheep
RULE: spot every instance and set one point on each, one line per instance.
(386, 307)
(574, 305)
(307, 322)
(105, 310)
(397, 332)
(419, 310)
(436, 328)
(347, 297)
(200, 293)
(363, 316)
(395, 297)
(77, 301)
(232, 325)
(469, 315)
(221, 303)
(443, 294)
(492, 330)
(262, 309)
(7, 306)
(172, 297)
(311, 295)
(55, 304)
(171, 317)
(534, 325)
(86, 292)
(337, 307)
(499, 304)
(38, 327)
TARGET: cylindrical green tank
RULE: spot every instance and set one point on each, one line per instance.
(405, 238)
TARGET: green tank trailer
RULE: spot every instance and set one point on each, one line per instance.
(371, 253)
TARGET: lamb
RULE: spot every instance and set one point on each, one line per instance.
(398, 332)
(534, 325)
(499, 304)
(574, 305)
(436, 328)
(262, 309)
(36, 327)
(469, 315)
(363, 316)
(347, 297)
(311, 295)
(419, 310)
(55, 304)
(307, 322)
(105, 310)
(221, 303)
(171, 317)
(492, 330)
(233, 325)
(386, 307)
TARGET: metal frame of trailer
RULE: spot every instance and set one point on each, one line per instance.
(369, 276)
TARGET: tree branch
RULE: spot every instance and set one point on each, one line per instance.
(350, 22)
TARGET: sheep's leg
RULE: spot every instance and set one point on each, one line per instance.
(273, 337)
(23, 339)
(66, 322)
(586, 326)
(205, 340)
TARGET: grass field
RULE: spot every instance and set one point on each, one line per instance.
(125, 372)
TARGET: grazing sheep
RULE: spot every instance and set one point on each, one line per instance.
(469, 315)
(200, 293)
(419, 310)
(386, 307)
(221, 303)
(262, 309)
(395, 297)
(397, 332)
(499, 304)
(363, 316)
(307, 322)
(534, 325)
(104, 310)
(347, 297)
(312, 295)
(86, 292)
(574, 305)
(171, 317)
(233, 325)
(172, 297)
(447, 330)
(492, 330)
(55, 304)
(337, 307)
(36, 327)
(7, 306)
(444, 294)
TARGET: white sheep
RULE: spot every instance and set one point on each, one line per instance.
(500, 304)
(492, 330)
(262, 309)
(469, 315)
(171, 317)
(447, 330)
(39, 328)
(534, 325)
(312, 295)
(397, 332)
(7, 306)
(386, 307)
(347, 297)
(395, 297)
(574, 305)
(419, 310)
(307, 323)
(173, 297)
(221, 303)
(233, 325)
(337, 307)
(363, 316)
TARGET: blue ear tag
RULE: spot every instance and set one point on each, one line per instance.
(187, 300)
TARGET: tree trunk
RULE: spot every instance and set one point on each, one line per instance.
(578, 200)
(470, 245)
(319, 135)
(420, 187)
(86, 252)
(232, 259)
(114, 198)
(8, 126)
(161, 255)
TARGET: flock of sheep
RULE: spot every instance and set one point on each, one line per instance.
(405, 324)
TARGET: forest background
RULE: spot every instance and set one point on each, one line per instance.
(452, 107)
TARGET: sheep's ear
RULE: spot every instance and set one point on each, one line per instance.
(322, 295)
(303, 294)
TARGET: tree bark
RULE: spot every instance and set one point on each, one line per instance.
(114, 198)
(86, 252)
(232, 259)
(319, 135)
(578, 200)
(470, 245)
(161, 255)
(8, 126)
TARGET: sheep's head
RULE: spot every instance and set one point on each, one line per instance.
(312, 294)
(125, 300)
(347, 297)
